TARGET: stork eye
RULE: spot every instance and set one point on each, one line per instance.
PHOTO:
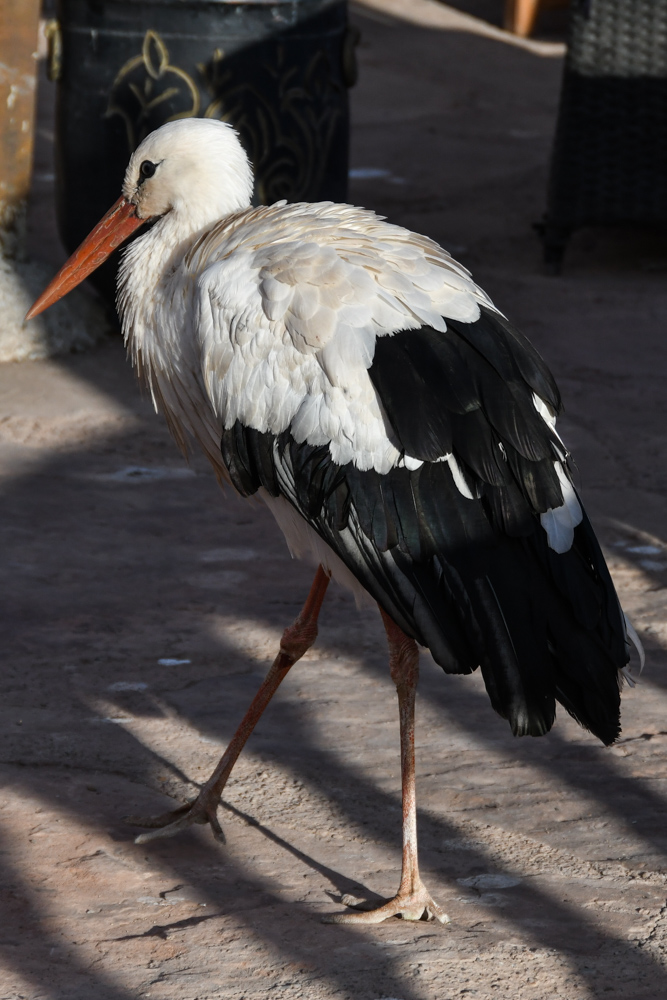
(147, 169)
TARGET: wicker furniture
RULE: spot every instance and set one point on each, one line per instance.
(609, 162)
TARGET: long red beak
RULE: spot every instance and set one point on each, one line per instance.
(119, 223)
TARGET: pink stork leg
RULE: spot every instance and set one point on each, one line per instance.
(412, 901)
(296, 640)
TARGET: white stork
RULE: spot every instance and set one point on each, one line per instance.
(401, 431)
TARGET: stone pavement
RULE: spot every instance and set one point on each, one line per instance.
(142, 608)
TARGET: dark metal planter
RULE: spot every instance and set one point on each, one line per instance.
(609, 162)
(278, 72)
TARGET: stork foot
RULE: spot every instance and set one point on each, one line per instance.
(203, 810)
(416, 904)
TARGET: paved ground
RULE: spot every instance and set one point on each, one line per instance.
(549, 855)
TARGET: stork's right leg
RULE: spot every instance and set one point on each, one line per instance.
(296, 640)
(412, 901)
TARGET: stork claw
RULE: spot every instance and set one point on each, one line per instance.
(415, 905)
(199, 812)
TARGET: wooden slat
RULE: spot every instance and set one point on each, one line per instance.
(19, 21)
(520, 15)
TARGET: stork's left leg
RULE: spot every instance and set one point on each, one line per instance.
(296, 640)
(412, 901)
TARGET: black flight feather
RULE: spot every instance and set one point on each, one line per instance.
(409, 382)
(237, 462)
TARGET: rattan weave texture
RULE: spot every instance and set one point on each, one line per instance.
(609, 162)
(618, 38)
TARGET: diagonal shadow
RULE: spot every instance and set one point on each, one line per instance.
(362, 801)
(342, 883)
(325, 771)
(538, 916)
(163, 930)
(248, 899)
(321, 768)
(587, 769)
(40, 958)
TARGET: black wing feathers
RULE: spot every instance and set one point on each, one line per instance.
(435, 406)
(472, 579)
(410, 387)
(241, 469)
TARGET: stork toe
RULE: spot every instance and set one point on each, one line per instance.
(200, 812)
(415, 905)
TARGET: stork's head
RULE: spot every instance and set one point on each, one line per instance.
(194, 169)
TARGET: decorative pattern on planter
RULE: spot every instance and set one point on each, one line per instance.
(287, 125)
(142, 87)
(278, 72)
